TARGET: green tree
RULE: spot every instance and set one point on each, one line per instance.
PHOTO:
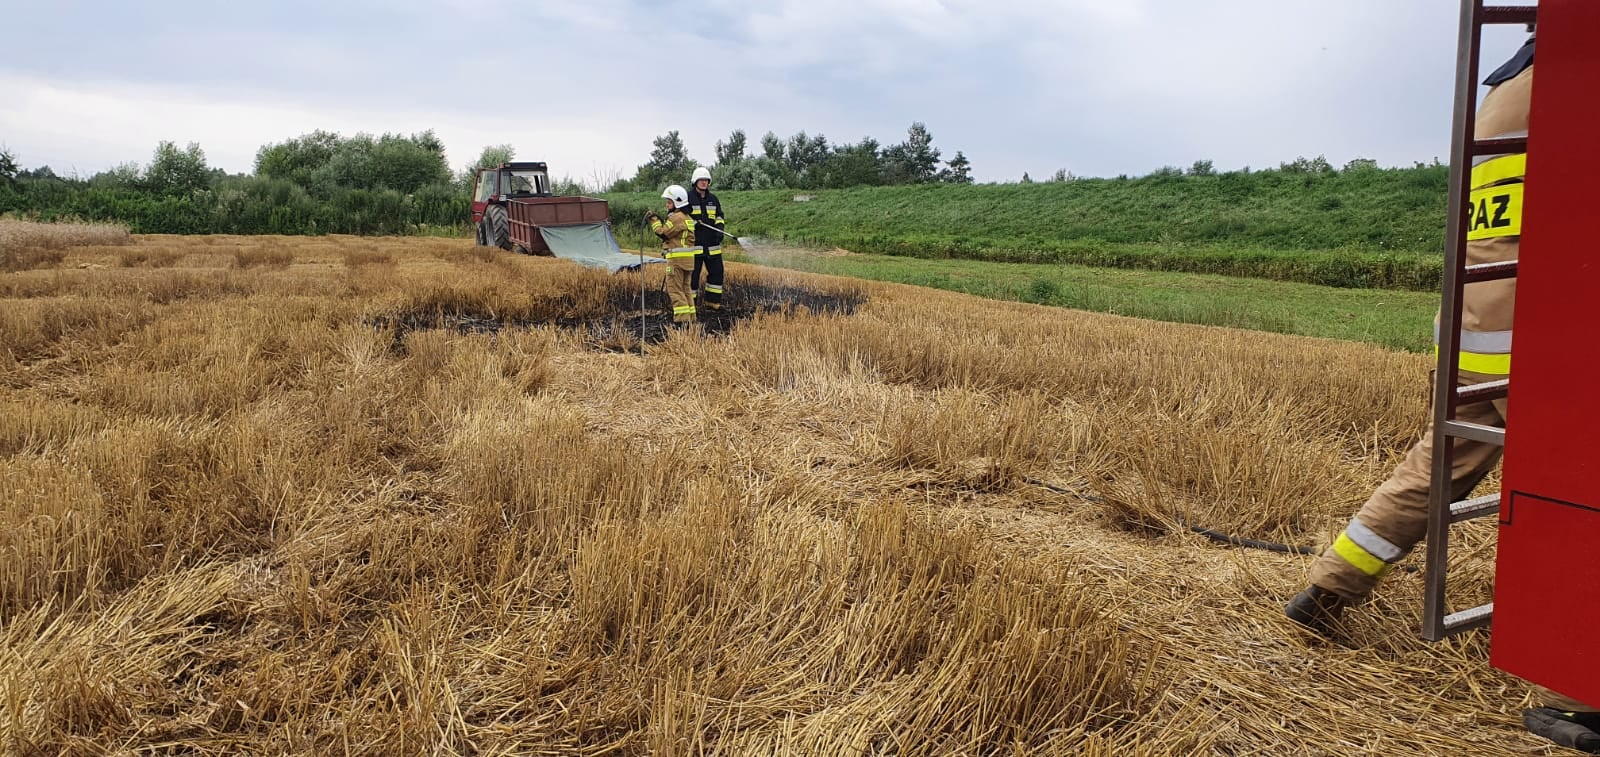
(850, 165)
(177, 172)
(297, 159)
(1317, 165)
(732, 151)
(957, 171)
(350, 167)
(772, 146)
(407, 164)
(669, 164)
(491, 156)
(769, 170)
(1026, 179)
(126, 175)
(914, 161)
(1361, 164)
(392, 161)
(1202, 168)
(804, 154)
(8, 165)
(753, 173)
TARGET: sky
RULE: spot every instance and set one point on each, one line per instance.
(1096, 87)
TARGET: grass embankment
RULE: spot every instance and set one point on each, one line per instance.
(1372, 228)
(1397, 319)
(341, 495)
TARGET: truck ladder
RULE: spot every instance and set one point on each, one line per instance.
(1437, 621)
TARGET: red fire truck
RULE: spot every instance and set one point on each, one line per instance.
(1546, 611)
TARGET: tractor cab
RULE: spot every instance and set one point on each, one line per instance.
(507, 180)
(496, 186)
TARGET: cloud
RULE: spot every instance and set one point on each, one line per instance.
(1097, 86)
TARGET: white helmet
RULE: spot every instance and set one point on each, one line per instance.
(700, 173)
(677, 195)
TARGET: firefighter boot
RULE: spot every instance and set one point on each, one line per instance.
(1579, 730)
(1316, 608)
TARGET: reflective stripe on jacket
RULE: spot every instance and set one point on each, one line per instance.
(706, 210)
(677, 234)
(1494, 229)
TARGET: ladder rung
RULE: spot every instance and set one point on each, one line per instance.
(1484, 392)
(1499, 145)
(1490, 271)
(1509, 14)
(1467, 620)
(1477, 507)
(1476, 432)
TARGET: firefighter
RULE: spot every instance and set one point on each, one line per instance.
(678, 246)
(706, 210)
(1395, 518)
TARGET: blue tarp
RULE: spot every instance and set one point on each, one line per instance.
(591, 244)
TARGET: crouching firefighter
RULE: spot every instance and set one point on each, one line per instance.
(710, 225)
(678, 247)
(1395, 518)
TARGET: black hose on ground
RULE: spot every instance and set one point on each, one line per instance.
(643, 316)
(1209, 533)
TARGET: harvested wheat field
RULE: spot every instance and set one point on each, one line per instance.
(404, 496)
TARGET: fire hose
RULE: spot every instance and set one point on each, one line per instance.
(1209, 533)
(643, 335)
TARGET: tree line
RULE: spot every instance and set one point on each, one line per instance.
(323, 182)
(317, 183)
(802, 162)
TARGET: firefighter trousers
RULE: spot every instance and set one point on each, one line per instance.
(679, 290)
(1395, 518)
(711, 261)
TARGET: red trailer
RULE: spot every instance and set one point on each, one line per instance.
(528, 215)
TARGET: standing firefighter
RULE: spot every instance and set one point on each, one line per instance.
(706, 210)
(1395, 518)
(678, 246)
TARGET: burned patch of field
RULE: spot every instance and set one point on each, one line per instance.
(388, 496)
(628, 317)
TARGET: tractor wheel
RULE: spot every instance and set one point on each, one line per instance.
(478, 233)
(497, 226)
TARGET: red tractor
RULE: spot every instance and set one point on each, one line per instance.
(513, 201)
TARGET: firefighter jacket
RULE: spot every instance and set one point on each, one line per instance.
(1494, 221)
(677, 234)
(706, 210)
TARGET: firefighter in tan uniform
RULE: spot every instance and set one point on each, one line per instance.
(678, 246)
(1395, 518)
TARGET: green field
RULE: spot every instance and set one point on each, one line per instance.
(1370, 228)
(1396, 319)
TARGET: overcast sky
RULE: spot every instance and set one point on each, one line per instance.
(1099, 87)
